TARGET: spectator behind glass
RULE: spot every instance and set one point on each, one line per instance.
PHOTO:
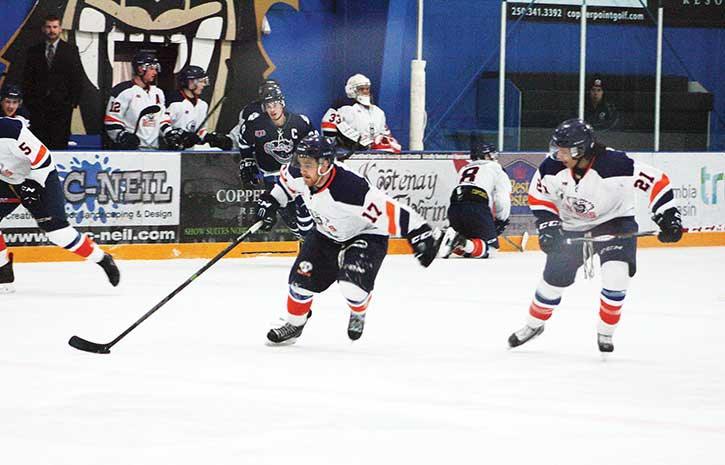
(598, 112)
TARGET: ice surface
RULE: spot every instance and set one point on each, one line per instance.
(430, 382)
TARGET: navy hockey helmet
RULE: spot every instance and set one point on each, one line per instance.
(11, 91)
(315, 146)
(482, 151)
(574, 134)
(189, 73)
(265, 86)
(144, 60)
(273, 94)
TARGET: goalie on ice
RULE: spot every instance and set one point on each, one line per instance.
(353, 221)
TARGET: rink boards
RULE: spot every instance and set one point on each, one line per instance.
(160, 205)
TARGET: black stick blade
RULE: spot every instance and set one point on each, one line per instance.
(88, 346)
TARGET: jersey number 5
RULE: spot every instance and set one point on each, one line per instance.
(643, 181)
(24, 147)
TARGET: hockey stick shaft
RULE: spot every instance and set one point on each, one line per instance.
(609, 237)
(512, 243)
(88, 346)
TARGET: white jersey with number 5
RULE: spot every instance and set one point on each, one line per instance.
(489, 176)
(606, 190)
(22, 155)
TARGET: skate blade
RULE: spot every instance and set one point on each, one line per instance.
(7, 289)
(288, 342)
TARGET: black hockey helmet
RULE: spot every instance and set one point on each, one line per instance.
(315, 146)
(483, 151)
(265, 86)
(11, 91)
(273, 94)
(574, 134)
(189, 73)
(145, 60)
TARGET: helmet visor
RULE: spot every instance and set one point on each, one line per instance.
(554, 151)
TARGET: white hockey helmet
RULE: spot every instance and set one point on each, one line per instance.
(351, 88)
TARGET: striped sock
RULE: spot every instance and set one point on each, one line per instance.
(299, 302)
(610, 306)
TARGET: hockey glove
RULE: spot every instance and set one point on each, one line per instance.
(248, 171)
(550, 236)
(670, 223)
(189, 139)
(220, 141)
(128, 141)
(500, 225)
(173, 139)
(425, 243)
(29, 192)
(267, 207)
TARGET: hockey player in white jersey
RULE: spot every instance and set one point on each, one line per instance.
(182, 125)
(585, 188)
(28, 177)
(125, 127)
(11, 101)
(362, 125)
(480, 206)
(353, 221)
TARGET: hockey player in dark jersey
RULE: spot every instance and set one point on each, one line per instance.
(267, 142)
(11, 104)
(585, 188)
(353, 221)
(28, 177)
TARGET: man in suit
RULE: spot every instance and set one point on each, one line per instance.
(52, 85)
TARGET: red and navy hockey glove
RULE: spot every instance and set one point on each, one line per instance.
(670, 223)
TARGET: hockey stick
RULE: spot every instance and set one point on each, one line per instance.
(609, 237)
(88, 346)
(146, 111)
(524, 240)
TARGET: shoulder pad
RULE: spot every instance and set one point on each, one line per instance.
(120, 87)
(550, 167)
(10, 128)
(348, 187)
(613, 163)
(305, 119)
(253, 116)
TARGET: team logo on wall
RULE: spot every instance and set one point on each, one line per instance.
(221, 36)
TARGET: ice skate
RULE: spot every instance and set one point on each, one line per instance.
(356, 325)
(7, 277)
(451, 241)
(111, 270)
(287, 333)
(605, 343)
(524, 335)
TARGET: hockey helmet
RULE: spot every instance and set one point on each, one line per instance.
(354, 83)
(574, 134)
(483, 151)
(189, 73)
(315, 146)
(265, 86)
(144, 60)
(11, 91)
(271, 95)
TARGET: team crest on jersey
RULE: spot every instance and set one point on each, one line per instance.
(304, 269)
(580, 207)
(280, 149)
